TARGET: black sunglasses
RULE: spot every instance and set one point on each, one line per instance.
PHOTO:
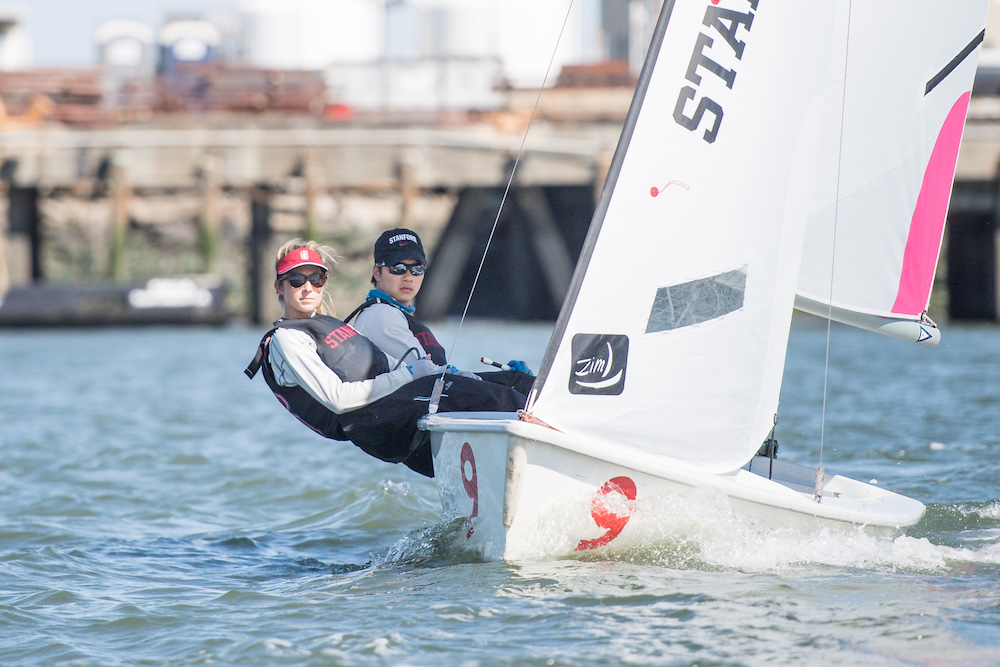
(297, 280)
(400, 269)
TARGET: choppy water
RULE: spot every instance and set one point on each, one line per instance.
(160, 509)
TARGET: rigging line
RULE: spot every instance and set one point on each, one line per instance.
(833, 251)
(510, 180)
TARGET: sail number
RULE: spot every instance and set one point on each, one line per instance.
(604, 516)
(471, 484)
(725, 22)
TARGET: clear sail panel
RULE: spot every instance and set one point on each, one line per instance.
(697, 301)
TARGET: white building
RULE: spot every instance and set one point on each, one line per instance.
(187, 41)
(309, 34)
(521, 34)
(15, 41)
(126, 46)
(421, 54)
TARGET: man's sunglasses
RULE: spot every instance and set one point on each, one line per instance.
(297, 280)
(400, 269)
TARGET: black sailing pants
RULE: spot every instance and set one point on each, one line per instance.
(387, 428)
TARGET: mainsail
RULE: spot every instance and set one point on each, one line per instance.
(672, 338)
(893, 150)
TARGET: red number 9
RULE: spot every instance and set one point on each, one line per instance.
(604, 516)
(471, 484)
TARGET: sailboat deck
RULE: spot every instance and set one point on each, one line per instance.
(796, 477)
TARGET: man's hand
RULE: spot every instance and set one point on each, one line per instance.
(423, 368)
(516, 365)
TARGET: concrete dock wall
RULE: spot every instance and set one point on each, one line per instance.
(141, 202)
(133, 204)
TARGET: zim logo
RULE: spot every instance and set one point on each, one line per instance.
(599, 362)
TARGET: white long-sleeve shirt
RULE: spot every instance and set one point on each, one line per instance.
(295, 361)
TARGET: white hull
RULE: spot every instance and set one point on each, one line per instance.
(528, 491)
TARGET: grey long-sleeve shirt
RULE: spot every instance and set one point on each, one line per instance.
(386, 326)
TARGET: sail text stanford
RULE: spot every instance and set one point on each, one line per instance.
(726, 22)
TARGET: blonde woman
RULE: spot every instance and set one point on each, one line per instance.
(338, 383)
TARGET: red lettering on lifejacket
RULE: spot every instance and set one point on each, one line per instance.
(427, 339)
(340, 334)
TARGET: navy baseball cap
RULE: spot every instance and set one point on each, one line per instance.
(397, 245)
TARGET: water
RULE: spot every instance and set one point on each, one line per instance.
(160, 509)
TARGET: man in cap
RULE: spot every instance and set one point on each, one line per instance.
(387, 315)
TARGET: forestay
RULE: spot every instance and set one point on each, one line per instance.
(672, 338)
(910, 70)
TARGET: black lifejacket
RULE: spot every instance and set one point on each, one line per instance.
(345, 351)
(419, 330)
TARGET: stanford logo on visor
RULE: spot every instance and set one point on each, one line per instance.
(599, 362)
(297, 258)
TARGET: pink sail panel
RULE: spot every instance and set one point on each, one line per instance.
(927, 225)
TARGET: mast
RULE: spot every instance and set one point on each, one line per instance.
(603, 201)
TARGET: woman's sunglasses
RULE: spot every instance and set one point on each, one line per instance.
(400, 269)
(297, 280)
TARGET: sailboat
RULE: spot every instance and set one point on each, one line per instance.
(776, 156)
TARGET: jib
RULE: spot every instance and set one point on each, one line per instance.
(726, 22)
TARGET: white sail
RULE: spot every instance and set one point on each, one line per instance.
(672, 338)
(878, 232)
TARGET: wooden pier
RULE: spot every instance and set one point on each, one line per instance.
(131, 204)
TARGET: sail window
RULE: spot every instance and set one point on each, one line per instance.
(697, 301)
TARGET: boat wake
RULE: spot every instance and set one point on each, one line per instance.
(699, 530)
